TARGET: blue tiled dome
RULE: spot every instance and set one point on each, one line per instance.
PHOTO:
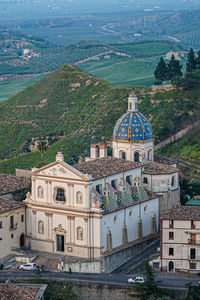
(132, 127)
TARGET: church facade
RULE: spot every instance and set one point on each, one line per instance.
(96, 206)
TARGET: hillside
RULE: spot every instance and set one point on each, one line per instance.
(67, 102)
(68, 107)
(186, 151)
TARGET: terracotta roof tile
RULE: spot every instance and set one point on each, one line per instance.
(10, 183)
(184, 213)
(9, 291)
(164, 160)
(105, 166)
(155, 168)
(8, 204)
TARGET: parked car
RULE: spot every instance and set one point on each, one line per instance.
(136, 279)
(27, 267)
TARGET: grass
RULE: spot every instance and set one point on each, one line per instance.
(123, 71)
(10, 88)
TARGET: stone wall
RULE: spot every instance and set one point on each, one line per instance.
(116, 259)
(91, 291)
(176, 136)
(82, 267)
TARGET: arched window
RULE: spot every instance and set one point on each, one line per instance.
(145, 180)
(41, 227)
(128, 179)
(173, 181)
(97, 151)
(60, 195)
(40, 192)
(145, 209)
(136, 157)
(123, 155)
(79, 197)
(113, 183)
(79, 233)
(150, 155)
(98, 188)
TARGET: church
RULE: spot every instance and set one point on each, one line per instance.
(104, 202)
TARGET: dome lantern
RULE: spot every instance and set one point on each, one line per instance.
(132, 102)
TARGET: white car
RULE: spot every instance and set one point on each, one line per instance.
(28, 267)
(136, 279)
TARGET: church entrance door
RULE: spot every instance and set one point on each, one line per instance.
(60, 242)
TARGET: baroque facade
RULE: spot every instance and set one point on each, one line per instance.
(104, 202)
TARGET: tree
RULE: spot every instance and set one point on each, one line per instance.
(191, 62)
(42, 147)
(161, 70)
(198, 60)
(173, 68)
(193, 292)
(150, 290)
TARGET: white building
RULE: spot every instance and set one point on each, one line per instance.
(91, 208)
(12, 226)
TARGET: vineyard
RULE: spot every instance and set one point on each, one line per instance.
(190, 39)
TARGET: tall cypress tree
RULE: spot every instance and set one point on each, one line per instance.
(198, 60)
(191, 62)
(161, 70)
(173, 68)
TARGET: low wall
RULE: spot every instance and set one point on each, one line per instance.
(83, 267)
(176, 136)
(91, 291)
(116, 259)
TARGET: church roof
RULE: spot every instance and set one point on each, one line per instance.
(8, 204)
(132, 127)
(105, 166)
(184, 213)
(10, 183)
(164, 160)
(155, 168)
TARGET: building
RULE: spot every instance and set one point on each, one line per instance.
(180, 240)
(90, 208)
(12, 226)
(13, 187)
(104, 202)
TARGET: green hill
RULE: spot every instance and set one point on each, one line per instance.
(68, 107)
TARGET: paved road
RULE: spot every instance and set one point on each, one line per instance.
(168, 280)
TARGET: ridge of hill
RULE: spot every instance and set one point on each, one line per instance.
(68, 107)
